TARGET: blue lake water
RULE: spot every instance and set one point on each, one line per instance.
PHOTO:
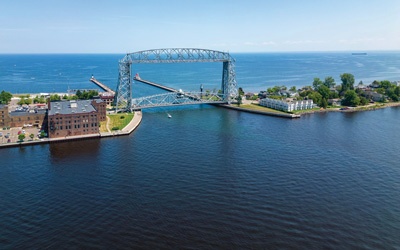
(207, 177)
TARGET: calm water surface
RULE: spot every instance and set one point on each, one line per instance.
(210, 178)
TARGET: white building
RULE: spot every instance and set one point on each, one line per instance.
(286, 106)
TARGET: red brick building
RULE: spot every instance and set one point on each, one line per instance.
(28, 116)
(75, 117)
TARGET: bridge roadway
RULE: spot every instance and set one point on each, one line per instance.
(102, 86)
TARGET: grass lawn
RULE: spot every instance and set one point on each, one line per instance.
(260, 108)
(103, 126)
(118, 121)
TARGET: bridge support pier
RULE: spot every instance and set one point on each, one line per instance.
(123, 97)
(229, 85)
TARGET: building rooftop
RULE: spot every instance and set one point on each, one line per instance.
(71, 107)
(28, 112)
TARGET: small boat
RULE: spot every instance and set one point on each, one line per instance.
(169, 116)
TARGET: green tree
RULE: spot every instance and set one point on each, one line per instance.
(79, 94)
(351, 98)
(397, 90)
(93, 93)
(363, 100)
(239, 100)
(85, 95)
(381, 91)
(316, 97)
(55, 97)
(42, 134)
(317, 83)
(273, 90)
(65, 97)
(241, 92)
(293, 88)
(21, 137)
(254, 97)
(333, 95)
(385, 84)
(5, 97)
(36, 99)
(329, 82)
(21, 101)
(394, 98)
(324, 91)
(31, 136)
(323, 103)
(27, 101)
(347, 82)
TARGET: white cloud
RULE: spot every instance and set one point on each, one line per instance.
(361, 40)
(267, 43)
(303, 42)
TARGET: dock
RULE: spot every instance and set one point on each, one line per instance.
(102, 86)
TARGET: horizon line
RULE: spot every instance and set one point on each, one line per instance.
(232, 52)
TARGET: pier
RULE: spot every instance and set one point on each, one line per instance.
(102, 86)
(155, 85)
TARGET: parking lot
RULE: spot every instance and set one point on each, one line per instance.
(11, 135)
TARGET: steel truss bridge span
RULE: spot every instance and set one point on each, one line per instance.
(123, 98)
(176, 99)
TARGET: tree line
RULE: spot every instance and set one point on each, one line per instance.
(5, 97)
(322, 90)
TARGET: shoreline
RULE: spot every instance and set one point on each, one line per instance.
(260, 112)
(127, 130)
(370, 107)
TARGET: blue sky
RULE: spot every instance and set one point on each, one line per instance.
(120, 26)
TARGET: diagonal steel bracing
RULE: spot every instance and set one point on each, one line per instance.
(176, 99)
(175, 55)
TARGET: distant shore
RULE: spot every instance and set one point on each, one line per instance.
(368, 107)
(260, 109)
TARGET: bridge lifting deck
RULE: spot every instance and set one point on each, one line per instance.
(175, 97)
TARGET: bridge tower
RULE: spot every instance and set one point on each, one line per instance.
(229, 85)
(123, 97)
